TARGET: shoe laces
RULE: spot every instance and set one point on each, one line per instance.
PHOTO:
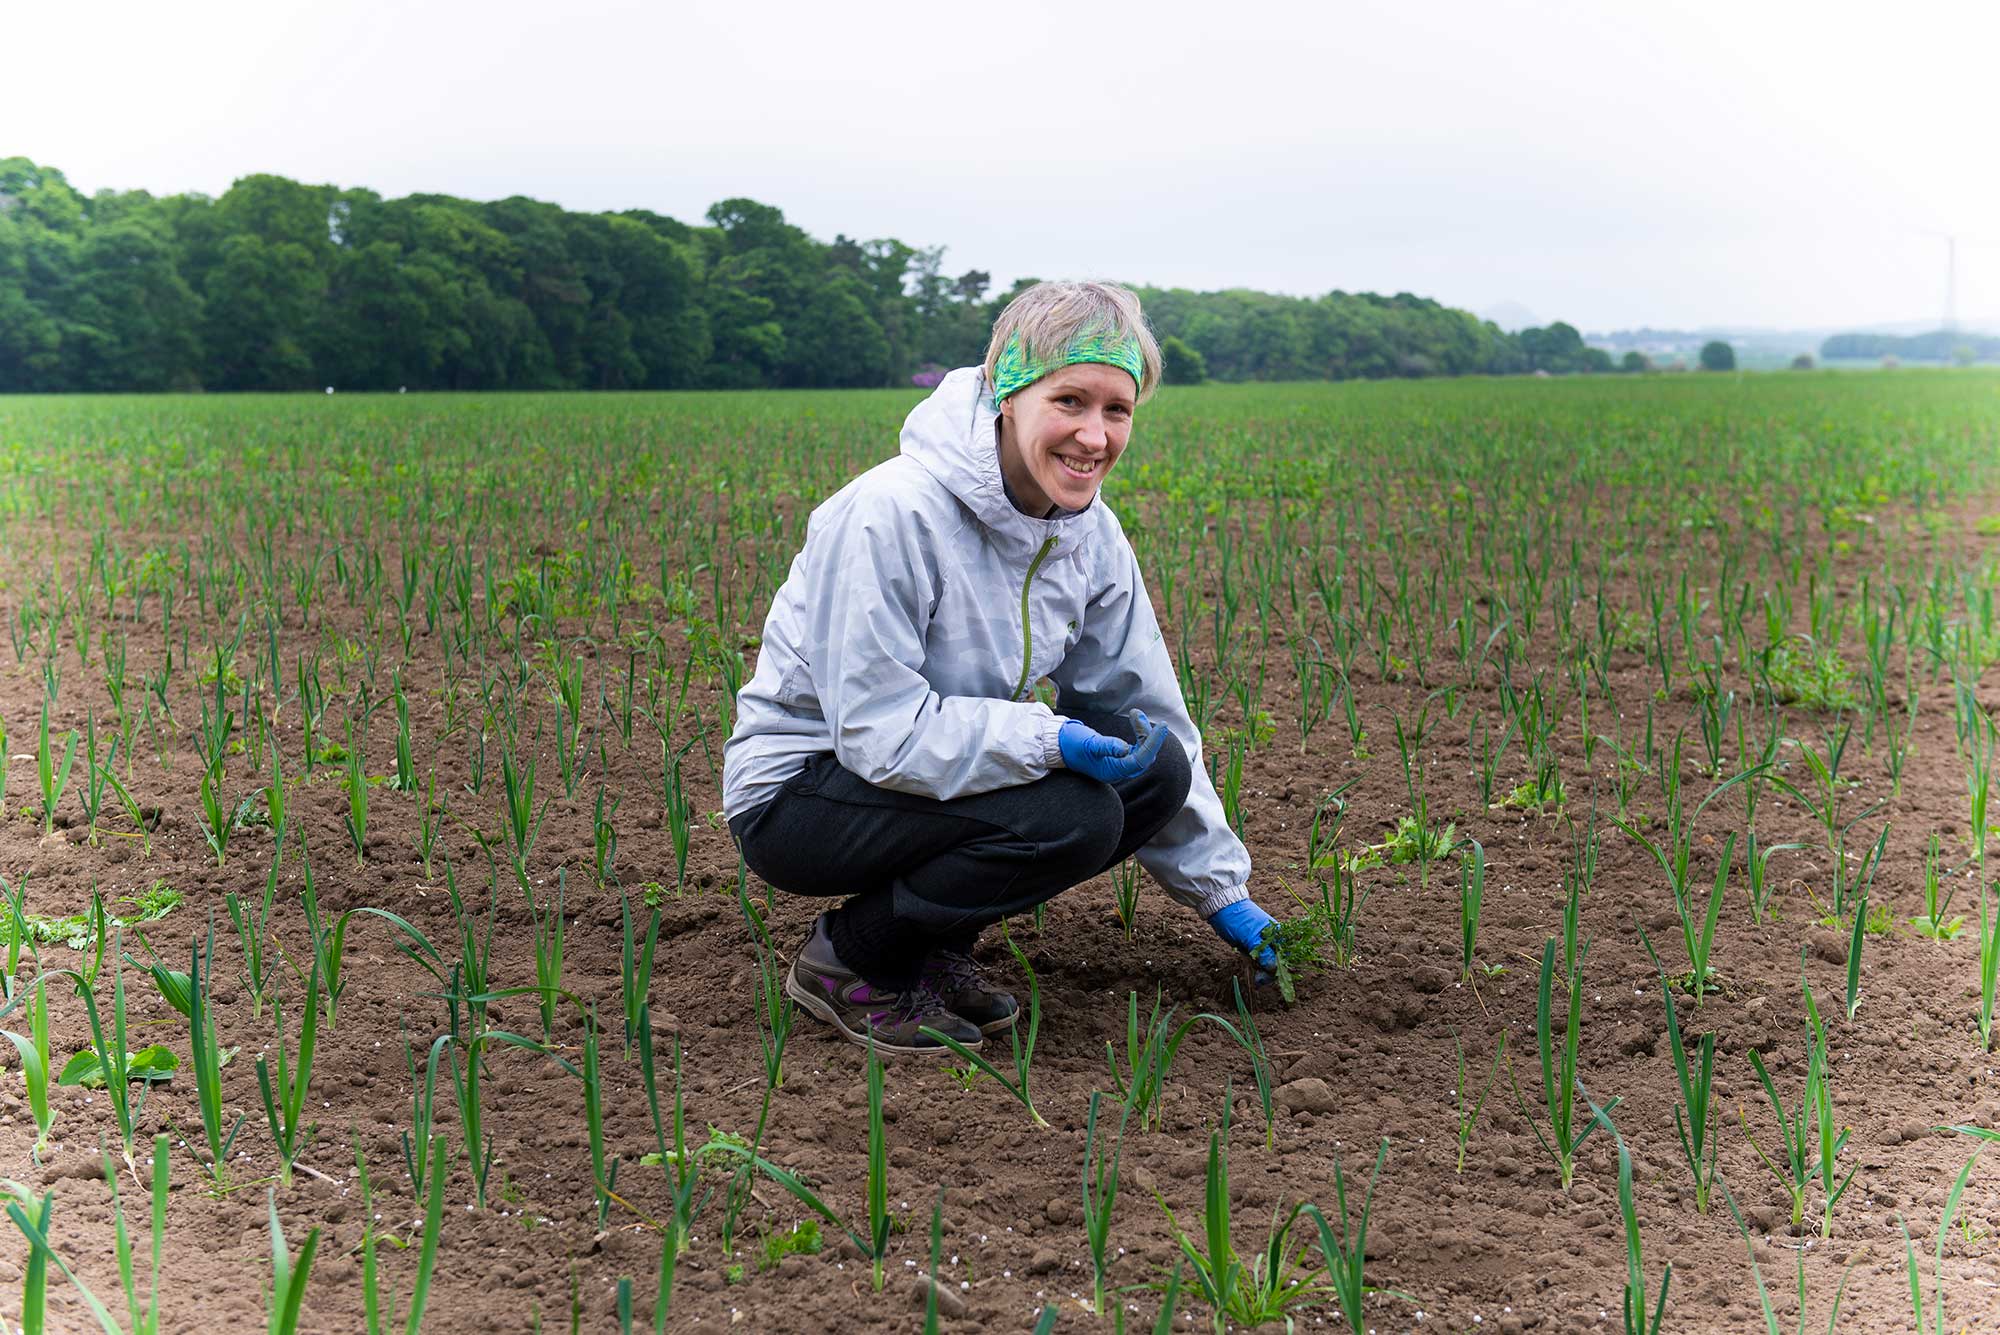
(917, 1001)
(953, 970)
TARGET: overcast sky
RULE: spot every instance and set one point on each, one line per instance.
(1674, 164)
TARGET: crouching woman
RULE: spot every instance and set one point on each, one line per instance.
(888, 751)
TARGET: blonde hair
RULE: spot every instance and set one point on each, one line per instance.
(1051, 316)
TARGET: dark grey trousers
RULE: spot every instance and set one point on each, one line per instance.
(920, 873)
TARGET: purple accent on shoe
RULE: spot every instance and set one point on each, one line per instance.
(827, 983)
(861, 992)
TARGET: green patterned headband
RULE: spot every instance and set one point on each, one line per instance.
(1016, 370)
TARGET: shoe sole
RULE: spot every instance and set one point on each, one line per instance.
(992, 1027)
(819, 1009)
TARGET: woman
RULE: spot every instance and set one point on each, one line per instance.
(889, 748)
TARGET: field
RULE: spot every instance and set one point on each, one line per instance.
(1620, 746)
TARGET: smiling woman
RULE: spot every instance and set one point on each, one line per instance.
(889, 749)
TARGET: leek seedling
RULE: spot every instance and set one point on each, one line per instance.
(937, 1249)
(1764, 1295)
(1141, 1079)
(207, 1058)
(1693, 1112)
(94, 770)
(1273, 1282)
(1024, 1050)
(35, 1272)
(603, 1178)
(1989, 966)
(635, 964)
(1468, 1117)
(1936, 1325)
(428, 823)
(1471, 891)
(1251, 1039)
(1125, 882)
(1346, 1252)
(1559, 1070)
(54, 775)
(423, 1112)
(34, 1052)
(605, 838)
(250, 930)
(1636, 1320)
(404, 780)
(547, 918)
(113, 1061)
(285, 1098)
(1937, 897)
(1100, 1194)
(878, 1171)
(356, 815)
(288, 1275)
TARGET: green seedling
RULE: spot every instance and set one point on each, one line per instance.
(1637, 1322)
(1024, 1049)
(1273, 1282)
(53, 774)
(1347, 1249)
(1468, 1109)
(1937, 897)
(285, 1096)
(1693, 1112)
(1559, 1071)
(1935, 1325)
(288, 1275)
(35, 1067)
(1100, 1195)
(1771, 1326)
(207, 1058)
(1125, 883)
(1471, 893)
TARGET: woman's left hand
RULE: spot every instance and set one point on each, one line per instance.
(1242, 925)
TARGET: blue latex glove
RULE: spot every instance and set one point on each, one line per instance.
(1106, 759)
(1242, 925)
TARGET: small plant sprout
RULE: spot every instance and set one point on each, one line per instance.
(1637, 1322)
(381, 1321)
(35, 1069)
(1024, 1049)
(1693, 1112)
(1347, 1250)
(1937, 897)
(1771, 1326)
(1935, 1324)
(1471, 892)
(1559, 1071)
(288, 1275)
(1125, 883)
(53, 774)
(1276, 1278)
(1100, 1194)
(1468, 1108)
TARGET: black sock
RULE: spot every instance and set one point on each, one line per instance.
(872, 941)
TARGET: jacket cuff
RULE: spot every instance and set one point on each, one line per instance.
(1051, 745)
(1215, 901)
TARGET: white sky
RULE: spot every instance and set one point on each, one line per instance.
(1612, 164)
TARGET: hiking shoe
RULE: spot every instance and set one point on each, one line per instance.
(956, 978)
(888, 1019)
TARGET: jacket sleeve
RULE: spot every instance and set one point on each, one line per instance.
(1120, 661)
(869, 582)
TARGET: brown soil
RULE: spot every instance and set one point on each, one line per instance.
(1497, 1247)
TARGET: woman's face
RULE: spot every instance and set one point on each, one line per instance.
(1062, 434)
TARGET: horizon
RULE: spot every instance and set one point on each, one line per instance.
(1675, 169)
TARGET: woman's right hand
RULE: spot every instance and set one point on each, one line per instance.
(1107, 759)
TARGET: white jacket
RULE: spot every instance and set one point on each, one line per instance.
(897, 642)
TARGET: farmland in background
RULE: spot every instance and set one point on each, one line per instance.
(363, 755)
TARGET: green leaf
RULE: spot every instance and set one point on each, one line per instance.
(86, 1068)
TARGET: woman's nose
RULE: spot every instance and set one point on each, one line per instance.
(1092, 431)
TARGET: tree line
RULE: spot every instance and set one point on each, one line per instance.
(278, 285)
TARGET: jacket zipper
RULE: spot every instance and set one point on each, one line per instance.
(1027, 626)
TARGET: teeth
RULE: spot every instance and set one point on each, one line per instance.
(1078, 465)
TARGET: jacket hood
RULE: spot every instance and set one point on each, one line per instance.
(952, 435)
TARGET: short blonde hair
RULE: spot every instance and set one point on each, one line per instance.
(1051, 316)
